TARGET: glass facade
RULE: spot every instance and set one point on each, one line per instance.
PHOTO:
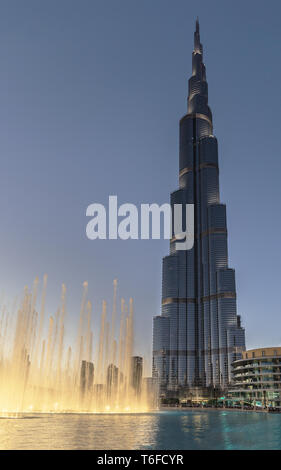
(198, 334)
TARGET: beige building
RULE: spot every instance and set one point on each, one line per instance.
(257, 378)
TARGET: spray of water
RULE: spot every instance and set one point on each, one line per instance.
(39, 372)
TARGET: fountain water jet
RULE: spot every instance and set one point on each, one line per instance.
(41, 374)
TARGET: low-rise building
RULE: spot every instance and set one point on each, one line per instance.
(257, 378)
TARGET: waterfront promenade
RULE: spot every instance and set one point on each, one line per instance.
(199, 407)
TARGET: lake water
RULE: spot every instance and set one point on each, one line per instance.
(190, 429)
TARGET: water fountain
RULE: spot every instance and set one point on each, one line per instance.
(39, 373)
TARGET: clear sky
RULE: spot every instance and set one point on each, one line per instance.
(91, 93)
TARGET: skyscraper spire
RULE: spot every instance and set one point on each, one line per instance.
(198, 87)
(197, 46)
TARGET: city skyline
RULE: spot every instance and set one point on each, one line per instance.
(72, 108)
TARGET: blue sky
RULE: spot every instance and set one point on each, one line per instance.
(91, 93)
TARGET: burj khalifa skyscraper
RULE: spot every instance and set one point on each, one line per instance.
(198, 334)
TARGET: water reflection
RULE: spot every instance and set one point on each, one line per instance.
(191, 429)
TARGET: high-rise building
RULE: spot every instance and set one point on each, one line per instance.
(150, 392)
(86, 376)
(198, 334)
(111, 379)
(136, 373)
